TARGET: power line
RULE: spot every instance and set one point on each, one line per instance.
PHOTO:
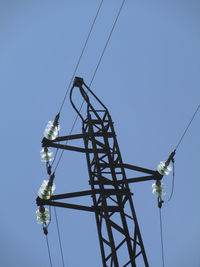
(94, 74)
(48, 250)
(76, 67)
(161, 238)
(111, 32)
(187, 127)
(80, 57)
(61, 250)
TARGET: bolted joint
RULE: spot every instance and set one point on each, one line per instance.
(45, 142)
(158, 176)
(40, 202)
(78, 82)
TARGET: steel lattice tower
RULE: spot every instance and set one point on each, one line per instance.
(118, 229)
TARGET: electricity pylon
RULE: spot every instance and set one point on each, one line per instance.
(118, 229)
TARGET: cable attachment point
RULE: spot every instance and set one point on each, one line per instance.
(78, 82)
(55, 123)
(45, 229)
(171, 158)
(160, 202)
(49, 169)
(164, 167)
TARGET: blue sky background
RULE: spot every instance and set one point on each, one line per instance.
(148, 79)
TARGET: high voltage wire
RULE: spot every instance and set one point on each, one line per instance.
(59, 238)
(111, 32)
(94, 74)
(161, 238)
(60, 243)
(48, 251)
(80, 57)
(78, 63)
(178, 144)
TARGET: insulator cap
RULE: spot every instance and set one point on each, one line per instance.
(46, 155)
(51, 130)
(163, 168)
(158, 189)
(43, 216)
(46, 190)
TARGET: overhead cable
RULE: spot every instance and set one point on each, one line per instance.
(161, 238)
(77, 65)
(48, 250)
(178, 144)
(104, 49)
(82, 52)
(58, 230)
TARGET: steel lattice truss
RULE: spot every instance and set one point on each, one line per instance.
(118, 230)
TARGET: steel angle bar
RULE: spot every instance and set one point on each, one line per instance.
(87, 193)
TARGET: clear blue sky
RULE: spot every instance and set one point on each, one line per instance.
(149, 79)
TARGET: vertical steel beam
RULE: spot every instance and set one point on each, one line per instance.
(98, 131)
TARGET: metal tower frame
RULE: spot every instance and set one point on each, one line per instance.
(118, 229)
